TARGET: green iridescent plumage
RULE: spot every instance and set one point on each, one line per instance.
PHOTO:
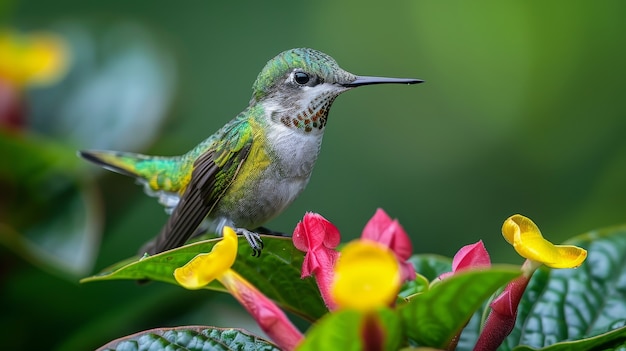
(308, 60)
(251, 169)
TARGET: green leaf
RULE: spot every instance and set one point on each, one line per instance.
(431, 266)
(276, 273)
(436, 316)
(412, 288)
(343, 330)
(577, 304)
(190, 338)
(428, 267)
(613, 340)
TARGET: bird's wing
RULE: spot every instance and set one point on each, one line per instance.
(213, 172)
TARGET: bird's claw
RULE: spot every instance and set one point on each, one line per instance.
(254, 239)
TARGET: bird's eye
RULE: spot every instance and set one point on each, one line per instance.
(301, 77)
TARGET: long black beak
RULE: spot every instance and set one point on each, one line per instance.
(365, 80)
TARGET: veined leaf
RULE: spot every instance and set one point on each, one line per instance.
(276, 273)
(190, 338)
(577, 305)
(436, 316)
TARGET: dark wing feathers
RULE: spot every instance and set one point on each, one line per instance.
(202, 194)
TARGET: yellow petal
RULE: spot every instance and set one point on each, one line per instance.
(32, 59)
(206, 267)
(524, 235)
(367, 276)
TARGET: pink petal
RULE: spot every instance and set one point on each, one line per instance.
(332, 237)
(381, 228)
(401, 243)
(506, 303)
(501, 319)
(270, 318)
(376, 225)
(315, 231)
(321, 259)
(324, 279)
(308, 265)
(407, 271)
(316, 236)
(445, 275)
(320, 264)
(300, 237)
(471, 256)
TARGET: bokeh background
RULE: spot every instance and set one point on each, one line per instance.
(522, 112)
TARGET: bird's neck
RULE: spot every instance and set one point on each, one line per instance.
(308, 116)
(293, 148)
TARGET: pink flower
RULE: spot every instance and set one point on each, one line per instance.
(382, 229)
(501, 319)
(316, 236)
(468, 257)
(270, 318)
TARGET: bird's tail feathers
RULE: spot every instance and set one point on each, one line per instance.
(126, 163)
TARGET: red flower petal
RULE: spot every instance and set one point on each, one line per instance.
(270, 318)
(471, 256)
(316, 236)
(382, 229)
(315, 231)
(374, 228)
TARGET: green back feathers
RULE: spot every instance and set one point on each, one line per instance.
(234, 139)
(308, 60)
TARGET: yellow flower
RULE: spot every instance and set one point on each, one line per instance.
(204, 268)
(33, 59)
(367, 276)
(527, 240)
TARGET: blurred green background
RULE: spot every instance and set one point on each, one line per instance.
(522, 112)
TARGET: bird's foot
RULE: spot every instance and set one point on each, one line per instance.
(254, 239)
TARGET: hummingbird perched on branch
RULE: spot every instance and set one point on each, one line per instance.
(256, 165)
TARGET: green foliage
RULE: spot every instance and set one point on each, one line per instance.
(431, 266)
(276, 273)
(343, 330)
(587, 304)
(436, 316)
(190, 338)
(588, 298)
(613, 340)
(581, 308)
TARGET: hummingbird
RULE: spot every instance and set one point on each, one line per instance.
(255, 166)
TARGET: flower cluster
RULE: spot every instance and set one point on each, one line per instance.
(366, 275)
(524, 235)
(358, 279)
